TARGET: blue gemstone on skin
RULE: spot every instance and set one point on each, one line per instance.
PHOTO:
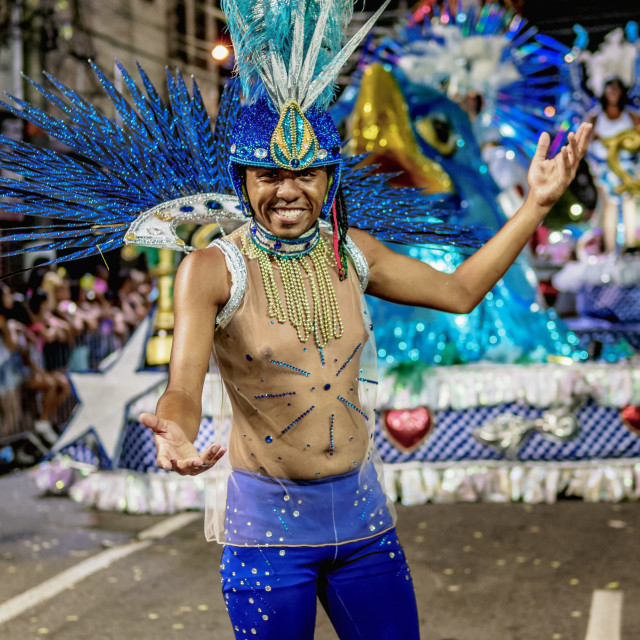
(249, 358)
(327, 387)
(268, 439)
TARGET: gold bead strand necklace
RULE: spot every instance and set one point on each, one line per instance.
(276, 308)
(319, 316)
(330, 318)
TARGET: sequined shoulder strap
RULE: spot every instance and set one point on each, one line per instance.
(238, 270)
(360, 263)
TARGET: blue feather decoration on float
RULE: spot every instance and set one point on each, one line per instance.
(491, 52)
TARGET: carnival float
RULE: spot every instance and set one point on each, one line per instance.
(509, 402)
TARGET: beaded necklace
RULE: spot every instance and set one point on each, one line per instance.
(284, 247)
(319, 316)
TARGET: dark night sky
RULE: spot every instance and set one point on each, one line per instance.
(556, 17)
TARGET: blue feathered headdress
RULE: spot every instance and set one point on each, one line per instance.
(288, 56)
(134, 178)
(292, 51)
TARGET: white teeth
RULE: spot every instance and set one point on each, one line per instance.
(289, 213)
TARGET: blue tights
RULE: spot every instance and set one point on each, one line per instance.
(364, 587)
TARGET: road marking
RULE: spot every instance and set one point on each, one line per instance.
(168, 526)
(605, 618)
(52, 587)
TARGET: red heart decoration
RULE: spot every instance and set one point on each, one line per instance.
(408, 428)
(631, 417)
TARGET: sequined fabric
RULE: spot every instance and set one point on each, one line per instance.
(265, 511)
(237, 269)
(272, 593)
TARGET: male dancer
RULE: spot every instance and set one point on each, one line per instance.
(300, 432)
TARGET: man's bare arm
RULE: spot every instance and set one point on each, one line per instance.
(201, 288)
(405, 280)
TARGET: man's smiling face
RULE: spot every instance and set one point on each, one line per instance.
(285, 202)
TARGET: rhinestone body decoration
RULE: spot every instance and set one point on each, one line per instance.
(331, 444)
(300, 417)
(349, 359)
(275, 395)
(290, 367)
(302, 407)
(353, 406)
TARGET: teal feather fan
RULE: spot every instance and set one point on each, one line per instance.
(293, 48)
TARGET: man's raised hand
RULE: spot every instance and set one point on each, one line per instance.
(550, 177)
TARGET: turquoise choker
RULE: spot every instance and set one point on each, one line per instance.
(284, 247)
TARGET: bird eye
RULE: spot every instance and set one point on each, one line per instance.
(436, 131)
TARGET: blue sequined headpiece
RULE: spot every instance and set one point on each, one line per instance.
(288, 55)
(253, 145)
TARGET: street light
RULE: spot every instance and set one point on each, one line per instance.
(220, 52)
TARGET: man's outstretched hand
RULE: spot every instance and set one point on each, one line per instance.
(549, 177)
(175, 451)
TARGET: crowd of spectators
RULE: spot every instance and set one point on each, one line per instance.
(49, 326)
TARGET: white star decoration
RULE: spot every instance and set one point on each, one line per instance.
(104, 396)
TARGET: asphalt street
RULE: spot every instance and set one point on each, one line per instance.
(567, 571)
